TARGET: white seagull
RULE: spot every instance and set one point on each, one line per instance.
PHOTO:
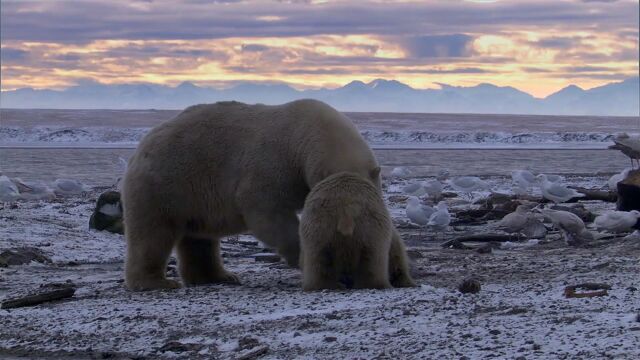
(570, 225)
(400, 172)
(523, 179)
(441, 218)
(34, 191)
(417, 212)
(616, 178)
(468, 184)
(414, 189)
(617, 221)
(556, 192)
(433, 188)
(8, 190)
(516, 221)
(68, 187)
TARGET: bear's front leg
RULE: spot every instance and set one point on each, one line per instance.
(199, 262)
(277, 228)
(398, 263)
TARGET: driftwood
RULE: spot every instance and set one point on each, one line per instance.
(590, 194)
(595, 290)
(35, 299)
(477, 238)
(253, 353)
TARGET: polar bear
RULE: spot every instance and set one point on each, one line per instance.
(224, 168)
(345, 235)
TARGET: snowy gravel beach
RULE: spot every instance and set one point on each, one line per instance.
(520, 312)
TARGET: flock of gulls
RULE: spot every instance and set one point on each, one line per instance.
(16, 189)
(527, 218)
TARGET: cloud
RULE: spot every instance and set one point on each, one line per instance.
(57, 21)
(557, 42)
(254, 47)
(51, 43)
(439, 46)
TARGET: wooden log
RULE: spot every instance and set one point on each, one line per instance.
(36, 299)
(478, 238)
(595, 289)
(592, 194)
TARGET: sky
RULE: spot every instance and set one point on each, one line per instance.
(535, 46)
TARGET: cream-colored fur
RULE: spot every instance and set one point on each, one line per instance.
(220, 169)
(345, 235)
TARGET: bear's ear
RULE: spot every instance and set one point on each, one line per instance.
(374, 173)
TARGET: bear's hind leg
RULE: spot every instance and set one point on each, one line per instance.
(372, 270)
(199, 262)
(148, 251)
(277, 228)
(399, 263)
(319, 270)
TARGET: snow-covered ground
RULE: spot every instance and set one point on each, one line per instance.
(520, 312)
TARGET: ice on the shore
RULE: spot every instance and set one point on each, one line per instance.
(132, 135)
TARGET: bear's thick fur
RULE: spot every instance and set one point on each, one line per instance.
(345, 235)
(220, 169)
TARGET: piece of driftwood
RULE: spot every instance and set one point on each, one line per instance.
(489, 237)
(593, 290)
(253, 353)
(591, 194)
(36, 299)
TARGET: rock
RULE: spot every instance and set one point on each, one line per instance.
(247, 342)
(415, 254)
(485, 249)
(494, 199)
(22, 255)
(629, 193)
(330, 339)
(469, 286)
(107, 214)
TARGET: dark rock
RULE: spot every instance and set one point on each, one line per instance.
(415, 254)
(330, 339)
(247, 342)
(469, 286)
(107, 214)
(22, 255)
(493, 200)
(485, 249)
(629, 193)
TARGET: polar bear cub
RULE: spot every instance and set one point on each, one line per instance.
(345, 235)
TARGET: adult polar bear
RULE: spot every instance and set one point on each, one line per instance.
(220, 169)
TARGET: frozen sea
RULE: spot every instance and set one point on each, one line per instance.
(86, 144)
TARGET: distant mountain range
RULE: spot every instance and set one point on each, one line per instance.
(619, 98)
